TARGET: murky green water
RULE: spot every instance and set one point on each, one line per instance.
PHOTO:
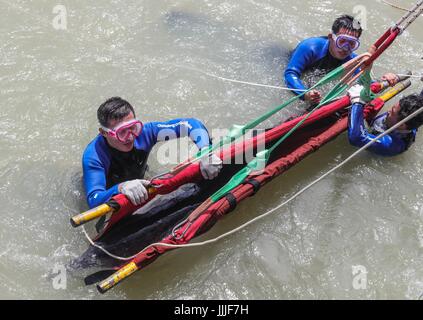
(367, 214)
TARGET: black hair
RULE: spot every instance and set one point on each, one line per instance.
(114, 108)
(347, 22)
(409, 105)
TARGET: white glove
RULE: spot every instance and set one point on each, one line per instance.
(135, 191)
(355, 94)
(210, 166)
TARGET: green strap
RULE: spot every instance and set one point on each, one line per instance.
(366, 80)
(334, 93)
(256, 165)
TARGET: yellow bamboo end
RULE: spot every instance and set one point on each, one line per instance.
(398, 88)
(89, 215)
(117, 277)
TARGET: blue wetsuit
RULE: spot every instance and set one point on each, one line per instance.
(104, 167)
(390, 145)
(312, 53)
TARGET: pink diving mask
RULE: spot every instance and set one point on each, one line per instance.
(346, 42)
(124, 131)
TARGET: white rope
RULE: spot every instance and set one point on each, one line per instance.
(198, 244)
(238, 81)
(411, 76)
(105, 251)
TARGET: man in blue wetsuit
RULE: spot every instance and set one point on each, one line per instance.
(397, 141)
(116, 160)
(326, 54)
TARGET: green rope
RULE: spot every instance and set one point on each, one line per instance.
(238, 131)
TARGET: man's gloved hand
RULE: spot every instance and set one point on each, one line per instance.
(210, 166)
(135, 191)
(355, 94)
(314, 97)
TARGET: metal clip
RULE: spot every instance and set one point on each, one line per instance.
(177, 227)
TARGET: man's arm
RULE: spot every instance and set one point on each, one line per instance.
(359, 136)
(210, 166)
(300, 60)
(173, 129)
(95, 182)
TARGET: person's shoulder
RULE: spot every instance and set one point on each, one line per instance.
(314, 41)
(146, 139)
(91, 146)
(315, 46)
(94, 149)
(148, 128)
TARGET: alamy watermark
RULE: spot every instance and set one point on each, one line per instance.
(360, 277)
(60, 20)
(243, 150)
(360, 16)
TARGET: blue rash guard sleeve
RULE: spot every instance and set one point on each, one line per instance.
(303, 57)
(358, 135)
(154, 132)
(94, 172)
